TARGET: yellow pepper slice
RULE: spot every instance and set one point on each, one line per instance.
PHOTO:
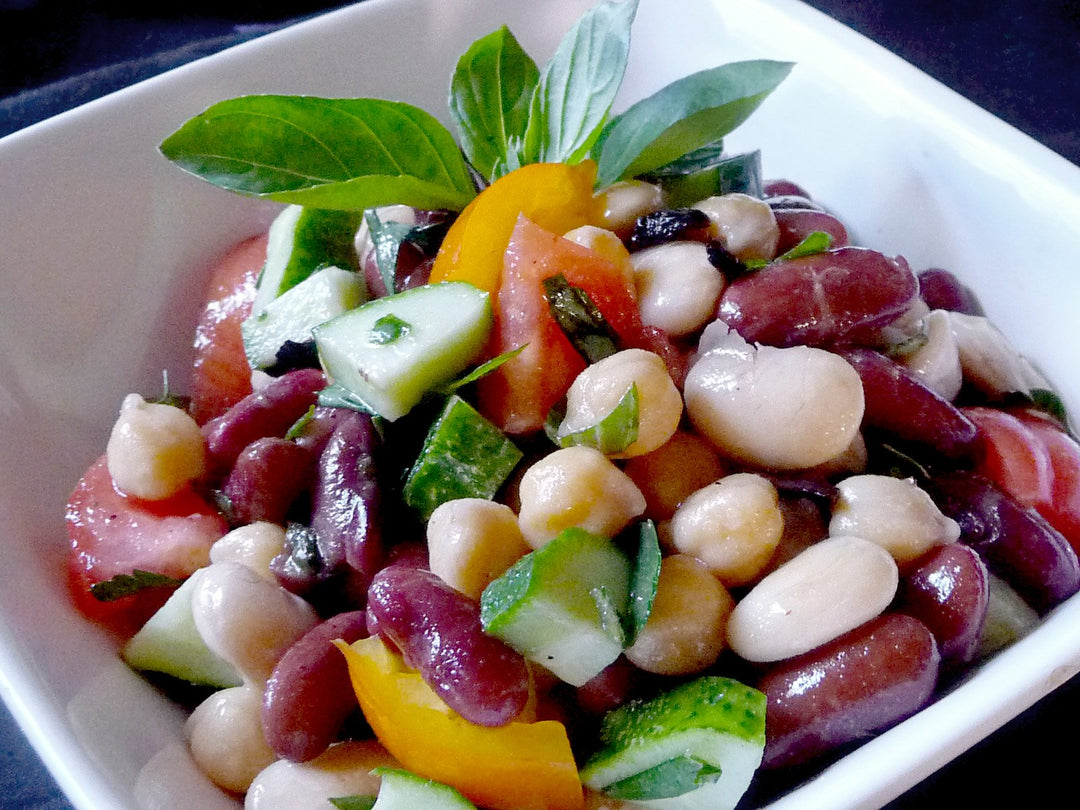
(520, 766)
(556, 196)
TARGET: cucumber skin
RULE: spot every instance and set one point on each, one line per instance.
(401, 790)
(449, 323)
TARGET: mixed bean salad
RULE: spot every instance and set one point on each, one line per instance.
(563, 463)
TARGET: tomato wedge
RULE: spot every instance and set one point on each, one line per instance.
(220, 374)
(518, 395)
(113, 534)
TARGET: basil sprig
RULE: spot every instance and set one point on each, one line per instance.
(507, 111)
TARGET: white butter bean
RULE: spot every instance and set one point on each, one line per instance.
(790, 408)
(744, 224)
(576, 486)
(343, 770)
(685, 631)
(247, 619)
(472, 541)
(827, 590)
(226, 739)
(733, 526)
(892, 512)
(154, 450)
(254, 545)
(677, 286)
(989, 360)
(598, 389)
(937, 362)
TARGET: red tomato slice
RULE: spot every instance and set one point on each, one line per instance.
(1012, 456)
(112, 534)
(518, 395)
(220, 374)
(1062, 509)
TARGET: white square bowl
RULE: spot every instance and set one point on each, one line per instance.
(104, 248)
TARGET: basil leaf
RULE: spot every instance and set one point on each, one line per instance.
(122, 585)
(579, 83)
(674, 777)
(644, 579)
(615, 431)
(490, 95)
(325, 153)
(482, 370)
(580, 319)
(386, 237)
(683, 116)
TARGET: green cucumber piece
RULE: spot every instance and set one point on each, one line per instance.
(323, 295)
(301, 241)
(613, 432)
(170, 643)
(1008, 619)
(464, 456)
(563, 605)
(695, 747)
(402, 790)
(391, 351)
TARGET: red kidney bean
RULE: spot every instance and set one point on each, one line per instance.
(948, 590)
(317, 430)
(267, 478)
(437, 629)
(798, 223)
(309, 695)
(780, 187)
(837, 297)
(861, 683)
(270, 411)
(940, 289)
(902, 406)
(1016, 542)
(347, 498)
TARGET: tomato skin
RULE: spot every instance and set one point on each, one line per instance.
(1032, 458)
(220, 374)
(518, 395)
(111, 533)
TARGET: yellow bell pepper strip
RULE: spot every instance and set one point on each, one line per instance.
(519, 766)
(556, 196)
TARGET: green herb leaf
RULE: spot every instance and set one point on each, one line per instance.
(615, 431)
(644, 579)
(580, 319)
(338, 396)
(683, 116)
(1051, 403)
(578, 84)
(482, 370)
(811, 244)
(388, 329)
(674, 777)
(353, 802)
(490, 95)
(324, 153)
(122, 585)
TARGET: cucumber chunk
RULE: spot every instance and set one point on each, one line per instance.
(170, 643)
(563, 605)
(402, 790)
(301, 241)
(391, 351)
(695, 747)
(323, 295)
(464, 456)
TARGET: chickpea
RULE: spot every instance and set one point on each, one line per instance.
(677, 286)
(576, 486)
(226, 738)
(600, 240)
(246, 619)
(597, 390)
(154, 450)
(685, 632)
(254, 545)
(892, 512)
(744, 224)
(627, 200)
(472, 541)
(667, 475)
(733, 526)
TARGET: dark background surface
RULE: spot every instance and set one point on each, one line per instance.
(1019, 59)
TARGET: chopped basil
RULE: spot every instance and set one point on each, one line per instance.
(580, 319)
(482, 370)
(1050, 403)
(811, 244)
(615, 431)
(388, 329)
(644, 579)
(122, 585)
(674, 777)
